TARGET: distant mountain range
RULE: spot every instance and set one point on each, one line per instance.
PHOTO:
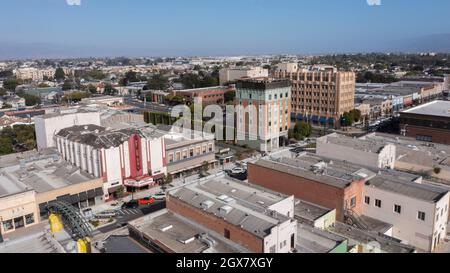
(430, 43)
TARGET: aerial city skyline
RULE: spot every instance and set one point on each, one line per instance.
(51, 28)
(237, 128)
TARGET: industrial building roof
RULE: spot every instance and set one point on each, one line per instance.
(313, 240)
(435, 108)
(365, 145)
(40, 172)
(309, 212)
(99, 137)
(223, 206)
(181, 235)
(416, 152)
(387, 244)
(388, 181)
(335, 173)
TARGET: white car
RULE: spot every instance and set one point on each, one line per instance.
(159, 196)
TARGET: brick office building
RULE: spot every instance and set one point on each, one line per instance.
(429, 122)
(259, 228)
(310, 178)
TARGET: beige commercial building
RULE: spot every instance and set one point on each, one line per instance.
(321, 95)
(29, 181)
(228, 75)
(267, 102)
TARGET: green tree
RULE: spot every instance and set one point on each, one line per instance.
(356, 114)
(109, 90)
(348, 118)
(158, 82)
(230, 96)
(300, 131)
(31, 100)
(96, 74)
(92, 89)
(59, 74)
(6, 146)
(11, 84)
(67, 85)
(75, 96)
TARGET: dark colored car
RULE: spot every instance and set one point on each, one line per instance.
(133, 204)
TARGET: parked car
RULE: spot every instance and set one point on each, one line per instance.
(159, 196)
(146, 201)
(106, 214)
(133, 204)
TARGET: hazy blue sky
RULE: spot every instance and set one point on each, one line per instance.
(215, 27)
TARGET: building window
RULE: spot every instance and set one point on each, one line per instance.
(398, 209)
(378, 203)
(421, 215)
(8, 225)
(18, 222)
(191, 152)
(353, 202)
(29, 219)
(367, 200)
(272, 249)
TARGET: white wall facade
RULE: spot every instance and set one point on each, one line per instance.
(407, 226)
(47, 127)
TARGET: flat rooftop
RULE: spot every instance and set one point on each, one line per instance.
(123, 244)
(309, 212)
(390, 182)
(436, 108)
(247, 216)
(387, 244)
(40, 172)
(180, 235)
(243, 193)
(196, 90)
(99, 137)
(413, 151)
(365, 145)
(334, 173)
(313, 240)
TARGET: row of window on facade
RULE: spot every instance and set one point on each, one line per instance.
(398, 209)
(181, 155)
(18, 222)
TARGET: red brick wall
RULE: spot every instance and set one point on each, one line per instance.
(216, 224)
(439, 136)
(308, 190)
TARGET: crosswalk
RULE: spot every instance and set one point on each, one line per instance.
(129, 212)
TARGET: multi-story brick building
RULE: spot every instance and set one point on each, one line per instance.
(396, 204)
(208, 95)
(268, 104)
(337, 186)
(321, 95)
(247, 215)
(429, 122)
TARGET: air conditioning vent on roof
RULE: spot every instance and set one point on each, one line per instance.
(207, 204)
(225, 210)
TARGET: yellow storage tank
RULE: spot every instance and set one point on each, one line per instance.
(84, 245)
(56, 224)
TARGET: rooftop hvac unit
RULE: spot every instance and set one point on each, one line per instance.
(207, 204)
(225, 210)
(164, 229)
